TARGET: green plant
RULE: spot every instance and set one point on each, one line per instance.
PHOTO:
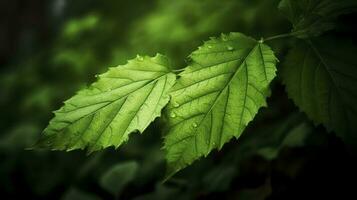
(221, 90)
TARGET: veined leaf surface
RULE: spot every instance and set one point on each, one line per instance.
(313, 17)
(216, 96)
(123, 100)
(321, 78)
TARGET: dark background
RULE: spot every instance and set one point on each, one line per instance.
(51, 48)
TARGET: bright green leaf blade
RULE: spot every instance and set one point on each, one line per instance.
(321, 78)
(216, 96)
(125, 99)
(313, 17)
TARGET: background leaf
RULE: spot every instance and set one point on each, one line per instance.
(313, 17)
(321, 77)
(217, 95)
(76, 194)
(117, 177)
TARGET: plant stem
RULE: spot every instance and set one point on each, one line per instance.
(279, 36)
(285, 35)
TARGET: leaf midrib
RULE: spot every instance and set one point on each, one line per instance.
(125, 96)
(217, 98)
(326, 67)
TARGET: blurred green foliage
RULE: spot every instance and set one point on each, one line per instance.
(280, 156)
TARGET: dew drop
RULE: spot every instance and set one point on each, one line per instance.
(194, 125)
(209, 46)
(96, 75)
(176, 104)
(230, 48)
(173, 115)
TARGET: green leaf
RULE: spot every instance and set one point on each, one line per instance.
(217, 95)
(76, 194)
(219, 178)
(123, 100)
(116, 178)
(321, 78)
(313, 17)
(295, 137)
(164, 192)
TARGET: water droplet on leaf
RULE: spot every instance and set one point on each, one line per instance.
(173, 115)
(209, 46)
(194, 125)
(230, 48)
